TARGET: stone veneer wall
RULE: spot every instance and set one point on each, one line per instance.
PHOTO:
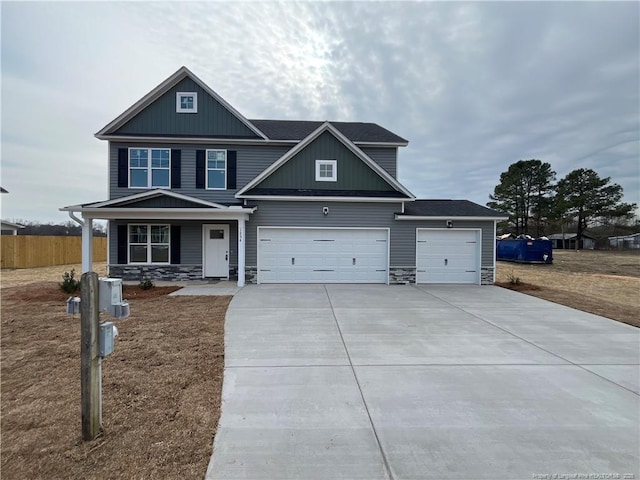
(402, 275)
(251, 275)
(171, 273)
(397, 275)
(486, 276)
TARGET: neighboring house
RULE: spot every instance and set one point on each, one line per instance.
(625, 241)
(568, 241)
(8, 228)
(196, 191)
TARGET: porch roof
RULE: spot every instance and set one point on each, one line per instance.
(138, 206)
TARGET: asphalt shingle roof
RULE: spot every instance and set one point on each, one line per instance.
(299, 129)
(448, 208)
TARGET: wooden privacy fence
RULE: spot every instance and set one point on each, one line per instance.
(27, 251)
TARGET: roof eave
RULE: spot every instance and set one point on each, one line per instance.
(447, 217)
(296, 198)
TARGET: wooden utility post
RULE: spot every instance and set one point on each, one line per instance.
(91, 371)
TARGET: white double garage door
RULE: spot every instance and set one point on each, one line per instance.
(361, 255)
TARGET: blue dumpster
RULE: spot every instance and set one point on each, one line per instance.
(524, 250)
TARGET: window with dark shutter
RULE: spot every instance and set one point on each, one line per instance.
(175, 244)
(122, 244)
(231, 169)
(199, 168)
(123, 167)
(176, 164)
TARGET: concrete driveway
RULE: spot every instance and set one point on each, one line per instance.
(435, 382)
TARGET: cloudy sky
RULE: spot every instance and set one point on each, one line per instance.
(474, 87)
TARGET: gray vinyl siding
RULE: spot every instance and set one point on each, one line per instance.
(347, 214)
(211, 120)
(403, 238)
(190, 239)
(386, 157)
(309, 214)
(251, 161)
(300, 170)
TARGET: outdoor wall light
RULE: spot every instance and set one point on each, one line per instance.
(449, 224)
(325, 210)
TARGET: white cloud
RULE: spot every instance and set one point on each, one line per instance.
(473, 86)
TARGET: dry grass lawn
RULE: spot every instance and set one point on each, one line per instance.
(606, 283)
(161, 386)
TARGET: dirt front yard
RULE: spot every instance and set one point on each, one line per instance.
(606, 283)
(161, 386)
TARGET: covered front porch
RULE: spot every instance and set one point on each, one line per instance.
(184, 239)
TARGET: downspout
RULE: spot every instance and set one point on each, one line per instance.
(87, 241)
(75, 219)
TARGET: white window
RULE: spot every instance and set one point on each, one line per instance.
(216, 169)
(326, 170)
(149, 243)
(149, 167)
(187, 102)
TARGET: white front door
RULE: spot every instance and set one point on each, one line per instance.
(215, 247)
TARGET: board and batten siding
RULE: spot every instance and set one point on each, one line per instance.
(300, 170)
(357, 215)
(211, 120)
(190, 239)
(386, 157)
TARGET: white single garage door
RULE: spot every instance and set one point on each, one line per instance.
(313, 255)
(447, 256)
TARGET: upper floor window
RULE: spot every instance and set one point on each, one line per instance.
(326, 170)
(149, 167)
(216, 169)
(187, 102)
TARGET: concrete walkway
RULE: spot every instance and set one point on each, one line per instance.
(403, 382)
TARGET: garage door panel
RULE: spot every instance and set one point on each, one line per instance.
(447, 256)
(322, 255)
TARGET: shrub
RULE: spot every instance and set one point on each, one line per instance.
(146, 283)
(69, 283)
(513, 280)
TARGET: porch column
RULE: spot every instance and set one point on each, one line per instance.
(87, 245)
(241, 261)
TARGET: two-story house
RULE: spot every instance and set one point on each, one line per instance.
(197, 191)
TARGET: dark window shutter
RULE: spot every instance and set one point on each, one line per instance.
(175, 244)
(231, 169)
(199, 168)
(122, 244)
(123, 167)
(176, 164)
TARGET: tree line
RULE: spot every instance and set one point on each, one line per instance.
(68, 229)
(535, 202)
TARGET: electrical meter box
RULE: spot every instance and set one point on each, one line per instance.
(106, 338)
(111, 298)
(73, 305)
(110, 293)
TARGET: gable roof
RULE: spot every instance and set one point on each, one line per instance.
(357, 132)
(11, 224)
(569, 236)
(325, 127)
(153, 95)
(448, 209)
(139, 197)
